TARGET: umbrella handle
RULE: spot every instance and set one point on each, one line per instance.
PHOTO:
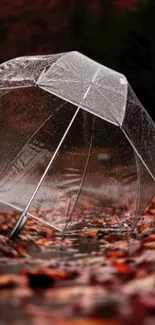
(19, 225)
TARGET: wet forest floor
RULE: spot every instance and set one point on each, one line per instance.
(92, 276)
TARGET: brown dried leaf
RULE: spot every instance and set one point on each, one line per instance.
(90, 233)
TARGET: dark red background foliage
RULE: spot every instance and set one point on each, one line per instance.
(32, 27)
(43, 26)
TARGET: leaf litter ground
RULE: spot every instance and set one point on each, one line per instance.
(94, 276)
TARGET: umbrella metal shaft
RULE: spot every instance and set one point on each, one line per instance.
(23, 217)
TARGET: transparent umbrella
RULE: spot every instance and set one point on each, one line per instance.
(76, 144)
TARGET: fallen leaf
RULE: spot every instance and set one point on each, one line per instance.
(90, 321)
(122, 268)
(42, 241)
(45, 278)
(90, 233)
(149, 245)
(11, 281)
(22, 251)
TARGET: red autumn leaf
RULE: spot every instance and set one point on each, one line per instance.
(122, 268)
(22, 251)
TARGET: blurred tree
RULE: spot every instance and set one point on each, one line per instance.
(34, 27)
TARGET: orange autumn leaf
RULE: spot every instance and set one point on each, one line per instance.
(42, 241)
(90, 321)
(90, 233)
(122, 268)
(10, 281)
(22, 251)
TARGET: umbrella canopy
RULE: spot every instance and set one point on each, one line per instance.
(74, 138)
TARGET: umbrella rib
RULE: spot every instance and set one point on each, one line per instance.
(24, 213)
(83, 176)
(33, 135)
(136, 151)
(51, 161)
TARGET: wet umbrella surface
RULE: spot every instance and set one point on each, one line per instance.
(77, 160)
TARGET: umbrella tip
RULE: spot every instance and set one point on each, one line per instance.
(18, 226)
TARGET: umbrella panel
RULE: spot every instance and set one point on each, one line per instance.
(32, 124)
